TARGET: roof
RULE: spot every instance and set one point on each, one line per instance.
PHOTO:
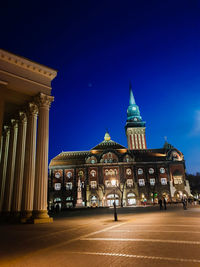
(110, 144)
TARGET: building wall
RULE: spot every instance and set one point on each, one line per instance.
(136, 183)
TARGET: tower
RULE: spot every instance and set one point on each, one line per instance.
(135, 126)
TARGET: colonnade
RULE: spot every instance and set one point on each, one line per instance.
(24, 163)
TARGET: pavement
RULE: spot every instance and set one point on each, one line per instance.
(142, 236)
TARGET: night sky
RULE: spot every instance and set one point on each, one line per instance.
(97, 48)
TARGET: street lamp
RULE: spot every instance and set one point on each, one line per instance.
(114, 183)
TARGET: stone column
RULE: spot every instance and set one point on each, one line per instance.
(29, 164)
(3, 165)
(19, 165)
(1, 146)
(40, 214)
(10, 167)
(2, 104)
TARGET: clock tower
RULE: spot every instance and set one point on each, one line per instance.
(135, 126)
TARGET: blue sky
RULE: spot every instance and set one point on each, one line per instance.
(97, 47)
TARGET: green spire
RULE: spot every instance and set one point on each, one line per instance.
(132, 99)
(133, 113)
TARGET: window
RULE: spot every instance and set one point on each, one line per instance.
(129, 182)
(162, 170)
(68, 186)
(57, 186)
(93, 173)
(151, 170)
(163, 181)
(57, 175)
(80, 173)
(112, 183)
(69, 205)
(69, 174)
(57, 199)
(178, 180)
(152, 181)
(128, 171)
(92, 161)
(140, 171)
(141, 182)
(69, 198)
(93, 184)
(107, 183)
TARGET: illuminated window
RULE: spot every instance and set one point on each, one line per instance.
(141, 182)
(163, 181)
(151, 170)
(178, 180)
(107, 183)
(162, 170)
(69, 198)
(57, 175)
(93, 173)
(129, 182)
(140, 171)
(69, 204)
(68, 186)
(128, 171)
(57, 199)
(69, 174)
(80, 173)
(57, 186)
(93, 184)
(152, 181)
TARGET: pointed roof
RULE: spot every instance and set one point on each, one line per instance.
(107, 143)
(132, 99)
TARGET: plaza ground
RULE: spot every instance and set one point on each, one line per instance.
(143, 236)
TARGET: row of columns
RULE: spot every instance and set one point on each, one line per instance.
(24, 163)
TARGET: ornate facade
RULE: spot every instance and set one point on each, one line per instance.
(111, 172)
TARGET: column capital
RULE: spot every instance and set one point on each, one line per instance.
(6, 129)
(14, 123)
(32, 109)
(43, 100)
(22, 117)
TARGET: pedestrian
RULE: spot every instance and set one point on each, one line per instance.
(165, 203)
(184, 201)
(160, 203)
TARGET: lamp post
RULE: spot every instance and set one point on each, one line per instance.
(114, 183)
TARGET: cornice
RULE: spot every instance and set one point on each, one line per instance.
(27, 64)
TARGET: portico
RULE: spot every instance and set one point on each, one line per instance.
(25, 90)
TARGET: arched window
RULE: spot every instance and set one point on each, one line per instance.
(109, 158)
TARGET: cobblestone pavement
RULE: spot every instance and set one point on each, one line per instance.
(141, 237)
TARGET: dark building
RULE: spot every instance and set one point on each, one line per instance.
(111, 172)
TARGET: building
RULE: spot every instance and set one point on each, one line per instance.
(111, 172)
(25, 90)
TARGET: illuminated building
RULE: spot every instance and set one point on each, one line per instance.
(110, 171)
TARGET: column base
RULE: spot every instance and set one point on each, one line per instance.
(26, 216)
(40, 216)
